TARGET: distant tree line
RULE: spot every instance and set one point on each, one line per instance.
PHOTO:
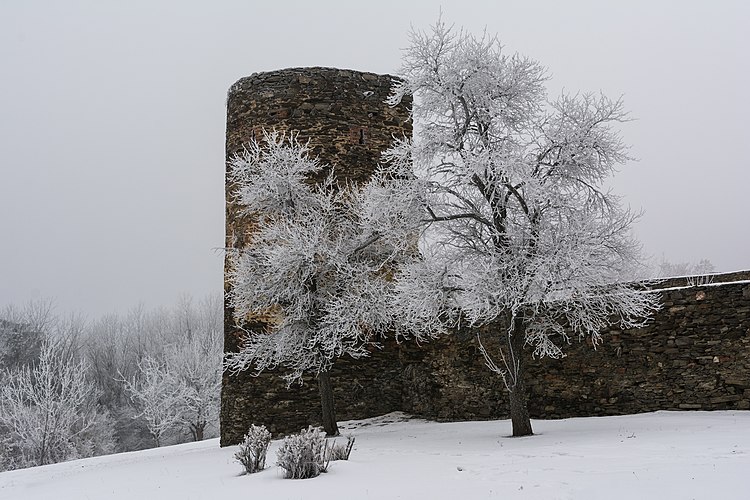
(72, 388)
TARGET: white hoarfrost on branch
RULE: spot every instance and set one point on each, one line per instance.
(252, 450)
(49, 412)
(198, 367)
(303, 455)
(318, 263)
(180, 389)
(698, 273)
(523, 242)
(158, 395)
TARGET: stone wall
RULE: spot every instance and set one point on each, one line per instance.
(364, 388)
(694, 355)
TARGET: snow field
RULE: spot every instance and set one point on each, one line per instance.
(664, 455)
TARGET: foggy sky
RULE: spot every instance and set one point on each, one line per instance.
(112, 119)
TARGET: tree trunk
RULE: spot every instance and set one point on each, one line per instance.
(326, 400)
(519, 412)
(197, 430)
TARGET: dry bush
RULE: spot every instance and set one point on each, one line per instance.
(304, 455)
(252, 451)
(340, 451)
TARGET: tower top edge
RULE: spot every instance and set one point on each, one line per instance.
(310, 72)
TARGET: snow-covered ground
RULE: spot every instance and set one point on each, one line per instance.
(663, 455)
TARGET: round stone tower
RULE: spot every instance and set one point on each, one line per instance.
(343, 117)
(341, 112)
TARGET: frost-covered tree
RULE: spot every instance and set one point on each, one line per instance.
(113, 347)
(180, 389)
(183, 345)
(49, 411)
(197, 364)
(522, 238)
(668, 269)
(317, 265)
(158, 395)
(22, 332)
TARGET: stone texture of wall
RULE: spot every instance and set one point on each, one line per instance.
(364, 388)
(694, 355)
(342, 116)
(340, 112)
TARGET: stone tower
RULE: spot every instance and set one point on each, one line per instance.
(343, 115)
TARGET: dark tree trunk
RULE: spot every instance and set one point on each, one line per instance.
(326, 401)
(519, 412)
(197, 430)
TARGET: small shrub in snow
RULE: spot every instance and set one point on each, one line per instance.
(303, 455)
(253, 449)
(340, 451)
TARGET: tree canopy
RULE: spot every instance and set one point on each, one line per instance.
(519, 230)
(318, 264)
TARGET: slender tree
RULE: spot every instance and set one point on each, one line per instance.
(50, 411)
(523, 240)
(197, 367)
(317, 266)
(179, 388)
(158, 395)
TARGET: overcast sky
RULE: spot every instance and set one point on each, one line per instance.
(112, 118)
